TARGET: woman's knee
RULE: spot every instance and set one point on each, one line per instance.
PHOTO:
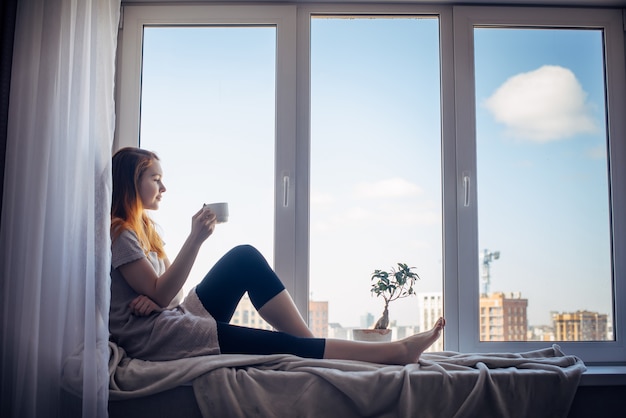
(246, 255)
(244, 250)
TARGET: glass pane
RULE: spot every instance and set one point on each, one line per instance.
(375, 168)
(208, 111)
(543, 192)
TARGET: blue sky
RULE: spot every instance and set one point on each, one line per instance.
(542, 172)
(208, 93)
(375, 170)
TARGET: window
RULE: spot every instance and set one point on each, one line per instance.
(207, 93)
(484, 200)
(375, 161)
(206, 89)
(540, 188)
(542, 172)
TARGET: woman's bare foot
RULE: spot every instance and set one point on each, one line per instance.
(405, 351)
(415, 345)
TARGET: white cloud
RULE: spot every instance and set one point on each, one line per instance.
(543, 105)
(385, 189)
(321, 199)
(597, 153)
(390, 216)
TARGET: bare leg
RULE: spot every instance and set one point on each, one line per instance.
(281, 312)
(405, 351)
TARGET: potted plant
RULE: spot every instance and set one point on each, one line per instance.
(391, 285)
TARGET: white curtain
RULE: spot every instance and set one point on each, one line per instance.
(54, 255)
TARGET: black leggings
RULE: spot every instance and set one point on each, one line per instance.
(244, 269)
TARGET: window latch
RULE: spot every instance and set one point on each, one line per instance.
(466, 188)
(285, 190)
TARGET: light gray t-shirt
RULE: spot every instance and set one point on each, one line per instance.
(180, 330)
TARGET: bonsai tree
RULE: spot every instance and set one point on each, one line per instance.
(391, 285)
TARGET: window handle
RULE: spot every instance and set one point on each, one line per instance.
(466, 188)
(285, 190)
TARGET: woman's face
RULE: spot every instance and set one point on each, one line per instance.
(151, 186)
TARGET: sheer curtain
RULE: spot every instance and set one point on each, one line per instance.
(54, 254)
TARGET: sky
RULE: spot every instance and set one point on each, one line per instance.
(209, 93)
(542, 169)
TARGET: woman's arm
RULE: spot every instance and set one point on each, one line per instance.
(142, 305)
(140, 275)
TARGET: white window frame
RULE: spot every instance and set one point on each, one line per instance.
(444, 14)
(610, 21)
(283, 18)
(458, 139)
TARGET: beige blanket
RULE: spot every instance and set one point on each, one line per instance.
(538, 383)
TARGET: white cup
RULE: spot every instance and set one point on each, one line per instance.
(220, 210)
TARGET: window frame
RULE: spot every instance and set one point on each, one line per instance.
(466, 18)
(128, 103)
(448, 179)
(460, 233)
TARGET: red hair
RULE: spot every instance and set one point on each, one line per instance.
(129, 164)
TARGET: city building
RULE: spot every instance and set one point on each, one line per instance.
(431, 308)
(403, 331)
(503, 317)
(335, 330)
(318, 318)
(541, 333)
(367, 320)
(246, 315)
(581, 326)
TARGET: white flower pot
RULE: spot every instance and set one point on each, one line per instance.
(371, 334)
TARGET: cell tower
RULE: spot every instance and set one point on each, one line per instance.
(485, 273)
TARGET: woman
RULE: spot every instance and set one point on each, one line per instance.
(149, 319)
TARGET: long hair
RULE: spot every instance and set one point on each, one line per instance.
(129, 164)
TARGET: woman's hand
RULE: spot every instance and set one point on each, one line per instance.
(143, 306)
(160, 290)
(203, 224)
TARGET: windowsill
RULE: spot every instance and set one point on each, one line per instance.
(604, 376)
